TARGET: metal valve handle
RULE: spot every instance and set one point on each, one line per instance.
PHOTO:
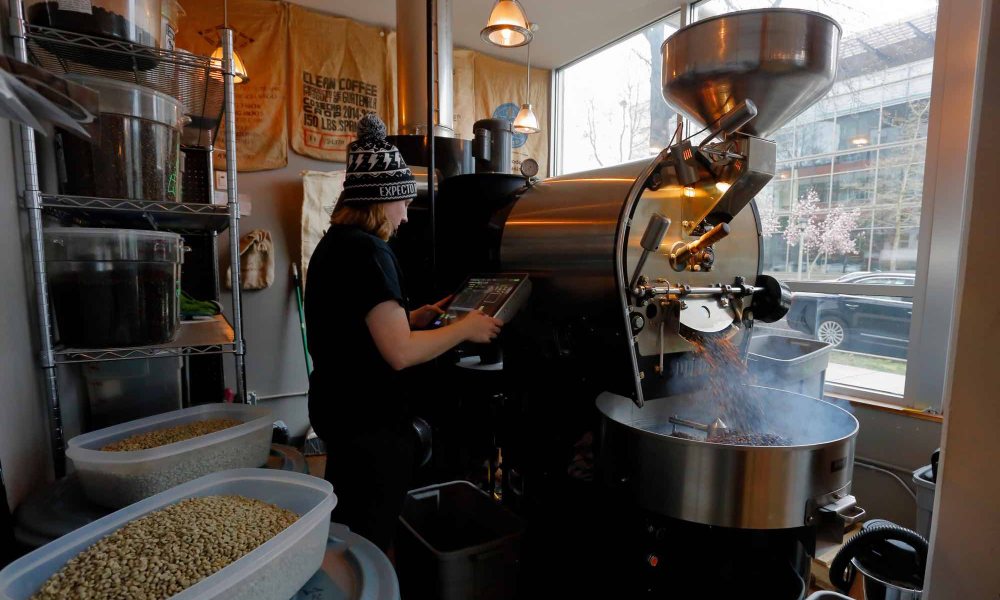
(681, 253)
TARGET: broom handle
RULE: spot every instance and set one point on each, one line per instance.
(302, 316)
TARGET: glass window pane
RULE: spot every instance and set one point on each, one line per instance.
(857, 130)
(611, 109)
(854, 161)
(848, 189)
(905, 122)
(853, 189)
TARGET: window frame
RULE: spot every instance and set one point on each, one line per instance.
(950, 131)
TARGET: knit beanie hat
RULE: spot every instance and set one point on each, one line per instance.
(376, 171)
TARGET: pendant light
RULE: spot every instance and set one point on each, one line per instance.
(526, 121)
(239, 69)
(507, 27)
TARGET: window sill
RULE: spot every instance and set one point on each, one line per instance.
(881, 405)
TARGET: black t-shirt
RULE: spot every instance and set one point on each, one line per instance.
(352, 388)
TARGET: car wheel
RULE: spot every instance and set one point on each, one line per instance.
(832, 331)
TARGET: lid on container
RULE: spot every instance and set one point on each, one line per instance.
(90, 244)
(129, 99)
(353, 568)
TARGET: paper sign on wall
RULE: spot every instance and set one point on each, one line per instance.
(337, 75)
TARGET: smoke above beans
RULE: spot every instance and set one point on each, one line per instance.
(739, 405)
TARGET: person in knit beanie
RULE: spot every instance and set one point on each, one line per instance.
(361, 335)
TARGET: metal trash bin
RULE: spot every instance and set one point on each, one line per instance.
(925, 499)
(456, 543)
(790, 364)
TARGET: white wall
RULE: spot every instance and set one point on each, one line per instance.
(965, 538)
(24, 447)
(275, 362)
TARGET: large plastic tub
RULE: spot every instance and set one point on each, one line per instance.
(791, 364)
(457, 544)
(114, 288)
(925, 499)
(135, 145)
(125, 20)
(276, 569)
(116, 479)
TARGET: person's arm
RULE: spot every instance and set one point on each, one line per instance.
(402, 348)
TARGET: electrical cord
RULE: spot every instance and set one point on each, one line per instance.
(872, 467)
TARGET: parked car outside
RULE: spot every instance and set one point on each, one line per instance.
(871, 324)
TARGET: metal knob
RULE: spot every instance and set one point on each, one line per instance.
(652, 237)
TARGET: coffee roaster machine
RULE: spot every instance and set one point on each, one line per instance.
(609, 414)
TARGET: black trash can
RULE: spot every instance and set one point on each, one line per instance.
(790, 364)
(456, 543)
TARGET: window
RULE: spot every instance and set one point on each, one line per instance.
(610, 109)
(842, 214)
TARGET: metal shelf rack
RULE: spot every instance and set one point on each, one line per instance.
(177, 217)
(209, 336)
(196, 81)
(205, 88)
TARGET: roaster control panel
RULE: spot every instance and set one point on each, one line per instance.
(499, 295)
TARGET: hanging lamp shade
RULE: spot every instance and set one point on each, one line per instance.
(526, 121)
(507, 27)
(238, 66)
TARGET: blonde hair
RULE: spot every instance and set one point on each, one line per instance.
(369, 216)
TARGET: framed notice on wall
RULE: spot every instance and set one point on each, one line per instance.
(338, 74)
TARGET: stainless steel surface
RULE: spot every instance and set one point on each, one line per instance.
(562, 232)
(725, 485)
(411, 53)
(233, 198)
(651, 239)
(33, 203)
(781, 59)
(877, 588)
(573, 234)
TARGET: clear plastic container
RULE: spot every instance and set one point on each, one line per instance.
(135, 145)
(276, 569)
(114, 288)
(171, 12)
(135, 21)
(116, 479)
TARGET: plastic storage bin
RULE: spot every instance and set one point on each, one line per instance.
(135, 148)
(124, 20)
(122, 390)
(925, 499)
(114, 288)
(115, 479)
(790, 364)
(276, 569)
(456, 543)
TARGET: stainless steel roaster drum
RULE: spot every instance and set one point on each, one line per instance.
(749, 487)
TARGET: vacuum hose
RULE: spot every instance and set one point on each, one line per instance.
(874, 540)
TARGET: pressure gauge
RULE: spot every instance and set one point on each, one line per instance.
(529, 167)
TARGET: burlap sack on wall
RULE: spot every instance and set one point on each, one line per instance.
(337, 74)
(500, 91)
(320, 192)
(391, 106)
(261, 40)
(465, 93)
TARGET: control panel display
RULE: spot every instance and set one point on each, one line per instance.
(499, 295)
